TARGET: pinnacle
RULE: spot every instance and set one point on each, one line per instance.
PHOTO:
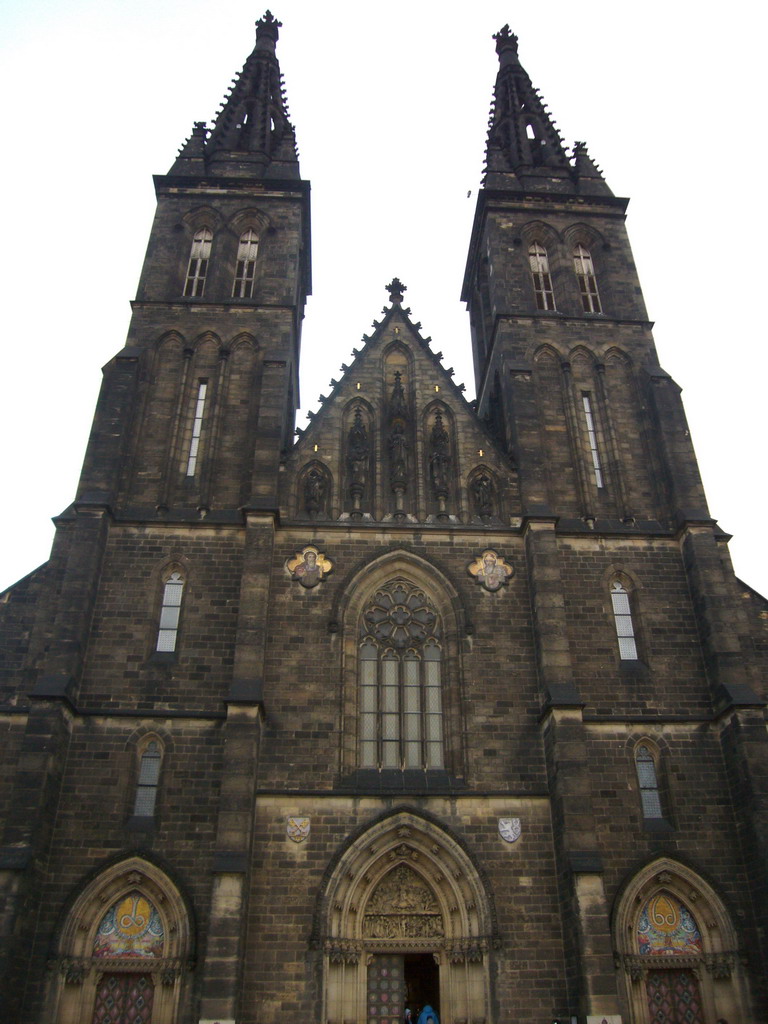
(396, 288)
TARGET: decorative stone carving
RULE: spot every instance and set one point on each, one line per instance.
(73, 970)
(482, 495)
(440, 461)
(510, 829)
(403, 907)
(358, 460)
(297, 829)
(309, 566)
(315, 488)
(490, 570)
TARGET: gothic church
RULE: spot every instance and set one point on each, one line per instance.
(438, 703)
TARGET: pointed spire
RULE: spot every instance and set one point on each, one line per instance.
(396, 290)
(253, 136)
(191, 158)
(523, 142)
(525, 150)
(587, 174)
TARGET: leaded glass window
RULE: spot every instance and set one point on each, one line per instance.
(197, 427)
(170, 612)
(198, 263)
(245, 271)
(622, 617)
(149, 778)
(400, 656)
(585, 275)
(594, 451)
(649, 785)
(542, 282)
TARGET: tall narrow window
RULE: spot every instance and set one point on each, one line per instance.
(542, 282)
(198, 263)
(170, 613)
(149, 778)
(401, 712)
(585, 275)
(622, 616)
(592, 436)
(648, 783)
(245, 271)
(197, 427)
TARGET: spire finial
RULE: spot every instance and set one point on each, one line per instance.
(267, 32)
(506, 45)
(396, 289)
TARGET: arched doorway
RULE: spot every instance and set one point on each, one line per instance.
(405, 921)
(123, 950)
(676, 950)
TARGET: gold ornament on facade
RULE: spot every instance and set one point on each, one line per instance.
(309, 566)
(490, 570)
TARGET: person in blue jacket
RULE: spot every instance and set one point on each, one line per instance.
(428, 1016)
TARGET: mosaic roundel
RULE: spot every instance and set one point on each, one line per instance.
(130, 928)
(667, 928)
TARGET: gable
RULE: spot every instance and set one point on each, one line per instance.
(396, 439)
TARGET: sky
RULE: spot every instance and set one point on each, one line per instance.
(390, 103)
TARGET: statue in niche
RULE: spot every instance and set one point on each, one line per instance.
(397, 401)
(314, 492)
(398, 460)
(440, 461)
(358, 458)
(490, 571)
(482, 494)
(398, 443)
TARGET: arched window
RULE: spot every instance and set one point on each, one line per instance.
(622, 617)
(585, 275)
(170, 613)
(198, 263)
(148, 780)
(400, 654)
(245, 271)
(647, 780)
(542, 282)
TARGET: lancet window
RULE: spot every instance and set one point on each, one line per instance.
(245, 270)
(148, 780)
(401, 704)
(170, 613)
(585, 275)
(594, 451)
(622, 617)
(198, 263)
(647, 780)
(197, 427)
(542, 281)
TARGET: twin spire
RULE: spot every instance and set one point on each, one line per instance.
(253, 136)
(525, 151)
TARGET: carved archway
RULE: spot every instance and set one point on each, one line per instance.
(405, 889)
(126, 943)
(674, 941)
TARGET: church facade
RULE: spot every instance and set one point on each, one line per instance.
(431, 703)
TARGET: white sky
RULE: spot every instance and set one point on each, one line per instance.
(390, 103)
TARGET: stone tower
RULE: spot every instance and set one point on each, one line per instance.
(441, 703)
